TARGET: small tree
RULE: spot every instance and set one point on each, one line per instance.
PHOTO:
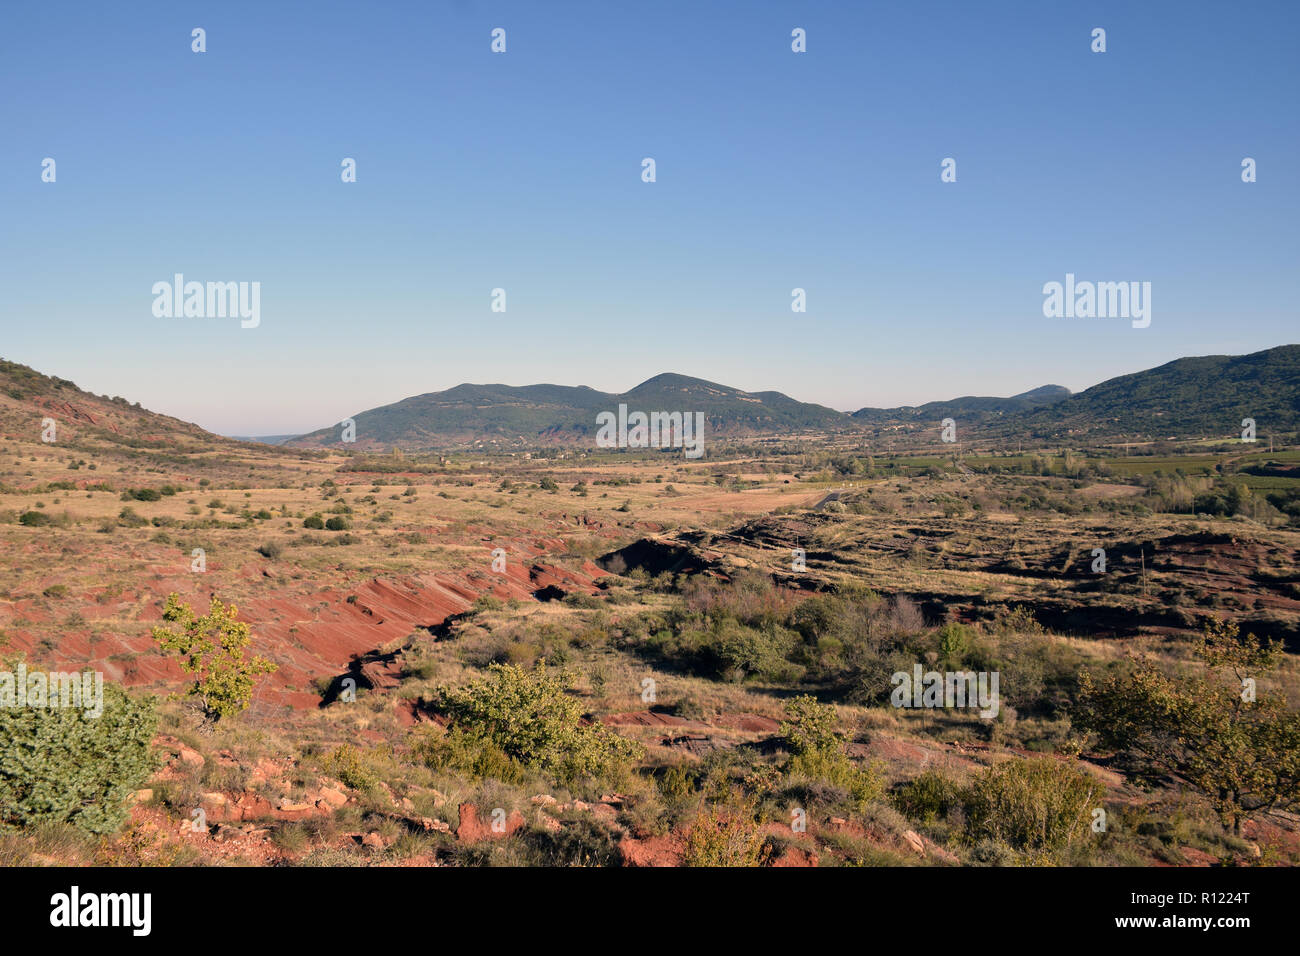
(213, 648)
(1242, 754)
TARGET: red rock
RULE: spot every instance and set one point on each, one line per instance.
(474, 830)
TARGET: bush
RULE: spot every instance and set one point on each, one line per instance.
(35, 519)
(58, 765)
(927, 798)
(314, 522)
(468, 751)
(1039, 804)
(346, 763)
(533, 719)
(817, 751)
(721, 836)
(337, 523)
(270, 549)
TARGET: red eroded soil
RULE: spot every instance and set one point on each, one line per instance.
(308, 635)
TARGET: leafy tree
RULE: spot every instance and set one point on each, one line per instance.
(213, 648)
(1202, 730)
(60, 765)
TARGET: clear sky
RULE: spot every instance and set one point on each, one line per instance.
(522, 171)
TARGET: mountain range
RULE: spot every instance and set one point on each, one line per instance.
(1187, 398)
(1201, 397)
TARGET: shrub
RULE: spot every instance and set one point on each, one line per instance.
(722, 836)
(35, 519)
(533, 719)
(270, 549)
(741, 651)
(1039, 804)
(817, 750)
(58, 765)
(468, 751)
(1244, 757)
(347, 764)
(337, 523)
(131, 518)
(928, 797)
(955, 642)
(314, 522)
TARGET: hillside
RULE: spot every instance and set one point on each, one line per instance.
(516, 415)
(1199, 397)
(87, 421)
(968, 406)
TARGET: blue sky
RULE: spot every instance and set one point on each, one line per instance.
(522, 171)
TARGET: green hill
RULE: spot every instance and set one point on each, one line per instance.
(969, 407)
(1201, 397)
(507, 415)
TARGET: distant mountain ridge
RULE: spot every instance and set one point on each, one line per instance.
(1198, 397)
(968, 405)
(510, 414)
(1189, 397)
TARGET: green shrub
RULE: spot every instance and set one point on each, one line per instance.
(348, 765)
(337, 523)
(531, 716)
(955, 641)
(314, 522)
(59, 765)
(1038, 804)
(927, 798)
(468, 751)
(722, 836)
(742, 651)
(817, 752)
(35, 519)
